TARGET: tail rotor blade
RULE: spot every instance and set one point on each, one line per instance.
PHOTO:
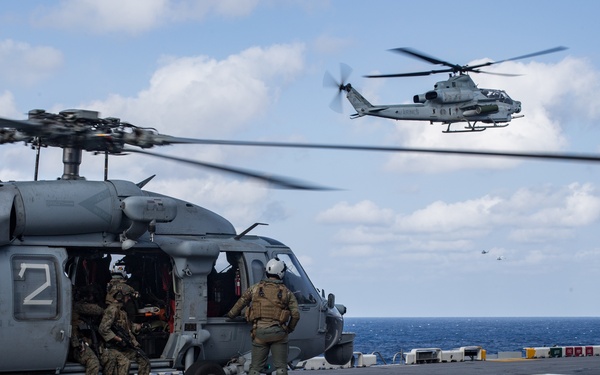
(330, 81)
(345, 71)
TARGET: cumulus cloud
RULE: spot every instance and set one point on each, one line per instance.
(134, 16)
(365, 212)
(201, 96)
(527, 215)
(8, 107)
(22, 63)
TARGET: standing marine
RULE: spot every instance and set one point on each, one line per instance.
(273, 312)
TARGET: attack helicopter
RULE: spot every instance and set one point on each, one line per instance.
(188, 264)
(455, 100)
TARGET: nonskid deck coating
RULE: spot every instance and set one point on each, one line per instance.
(510, 366)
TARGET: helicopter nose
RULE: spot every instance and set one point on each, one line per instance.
(517, 106)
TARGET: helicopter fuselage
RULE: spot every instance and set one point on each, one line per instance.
(187, 263)
(451, 101)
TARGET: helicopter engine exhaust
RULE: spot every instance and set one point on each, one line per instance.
(422, 98)
(419, 98)
(448, 95)
(481, 109)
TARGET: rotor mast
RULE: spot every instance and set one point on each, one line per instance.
(71, 163)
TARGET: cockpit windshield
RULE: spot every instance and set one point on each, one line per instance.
(500, 95)
(297, 281)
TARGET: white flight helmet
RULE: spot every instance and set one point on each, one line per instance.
(276, 267)
(118, 270)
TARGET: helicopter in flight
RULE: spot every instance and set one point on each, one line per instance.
(455, 100)
(188, 264)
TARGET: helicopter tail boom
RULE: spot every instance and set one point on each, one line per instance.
(360, 104)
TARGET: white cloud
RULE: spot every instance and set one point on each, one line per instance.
(528, 215)
(8, 107)
(363, 212)
(578, 206)
(200, 96)
(134, 16)
(22, 63)
(447, 217)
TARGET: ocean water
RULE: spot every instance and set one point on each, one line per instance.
(388, 336)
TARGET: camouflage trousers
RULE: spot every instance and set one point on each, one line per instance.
(113, 362)
(143, 363)
(275, 340)
(88, 359)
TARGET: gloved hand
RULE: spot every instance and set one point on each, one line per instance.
(81, 346)
(229, 318)
(120, 343)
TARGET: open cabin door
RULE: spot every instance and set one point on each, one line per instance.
(35, 308)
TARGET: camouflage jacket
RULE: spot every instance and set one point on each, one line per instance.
(82, 310)
(114, 314)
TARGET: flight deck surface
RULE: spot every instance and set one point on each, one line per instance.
(516, 366)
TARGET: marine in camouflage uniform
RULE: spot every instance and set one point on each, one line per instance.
(86, 347)
(273, 312)
(115, 315)
(118, 276)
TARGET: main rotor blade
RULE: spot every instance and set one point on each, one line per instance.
(495, 74)
(277, 181)
(413, 74)
(544, 52)
(22, 125)
(576, 157)
(455, 68)
(422, 56)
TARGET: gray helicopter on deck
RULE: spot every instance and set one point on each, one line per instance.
(455, 100)
(188, 264)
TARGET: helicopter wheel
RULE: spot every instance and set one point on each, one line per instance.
(205, 368)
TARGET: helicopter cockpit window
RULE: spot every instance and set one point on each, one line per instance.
(297, 281)
(497, 95)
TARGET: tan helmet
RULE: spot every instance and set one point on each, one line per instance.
(121, 290)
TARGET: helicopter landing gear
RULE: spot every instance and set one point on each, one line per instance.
(469, 128)
(205, 368)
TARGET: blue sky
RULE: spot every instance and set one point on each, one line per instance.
(405, 234)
